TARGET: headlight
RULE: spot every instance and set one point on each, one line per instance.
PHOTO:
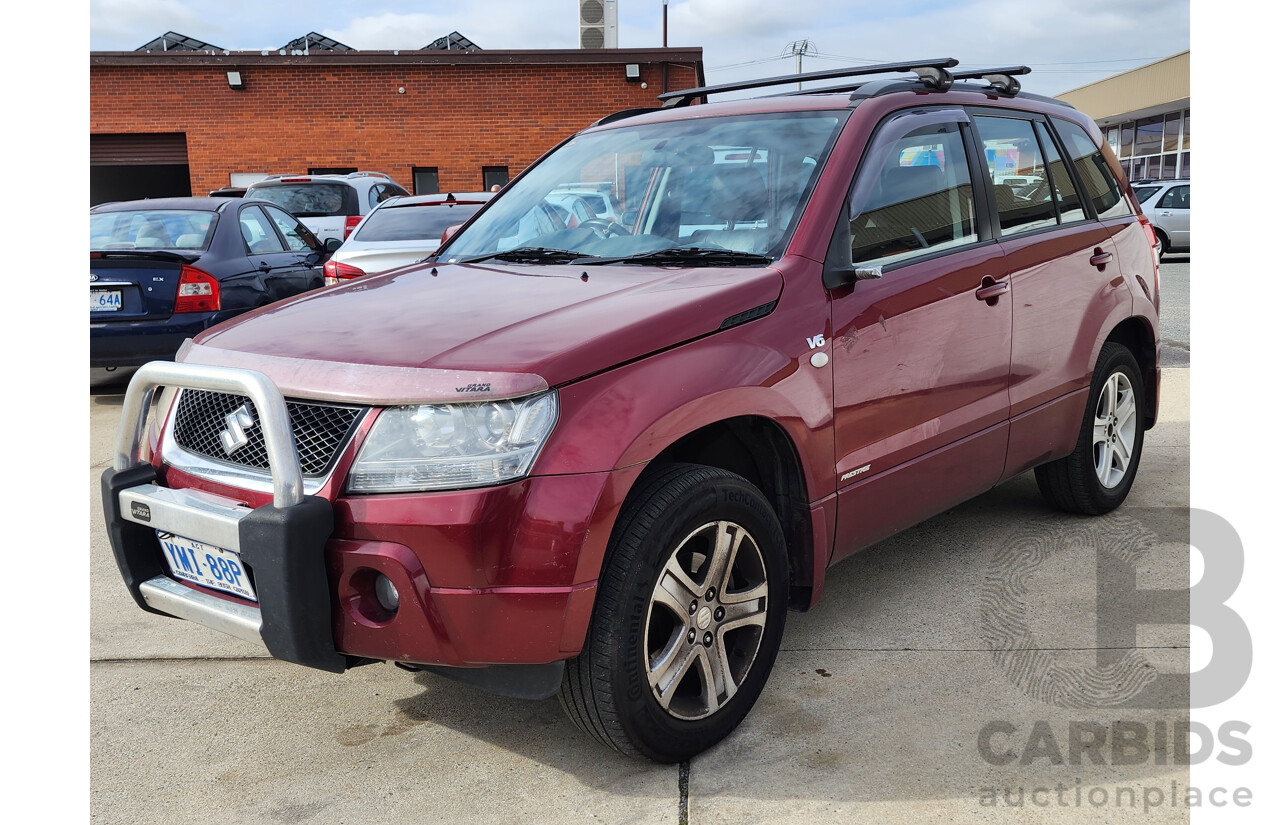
(450, 446)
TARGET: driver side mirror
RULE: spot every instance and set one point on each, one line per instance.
(331, 245)
(838, 269)
(449, 232)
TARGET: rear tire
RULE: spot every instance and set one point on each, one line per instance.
(689, 614)
(1096, 477)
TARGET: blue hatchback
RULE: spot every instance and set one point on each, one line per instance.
(162, 271)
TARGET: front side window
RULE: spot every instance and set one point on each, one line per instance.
(1018, 173)
(1099, 183)
(914, 198)
(701, 191)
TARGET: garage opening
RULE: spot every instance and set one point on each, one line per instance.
(127, 167)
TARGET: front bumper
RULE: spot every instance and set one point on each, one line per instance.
(502, 575)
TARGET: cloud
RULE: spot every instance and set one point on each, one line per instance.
(124, 25)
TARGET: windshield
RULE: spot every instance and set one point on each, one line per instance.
(305, 200)
(151, 229)
(730, 185)
(414, 222)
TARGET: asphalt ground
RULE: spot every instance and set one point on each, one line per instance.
(875, 711)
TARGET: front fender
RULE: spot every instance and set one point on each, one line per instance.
(628, 415)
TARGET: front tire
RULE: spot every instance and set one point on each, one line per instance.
(1096, 477)
(688, 618)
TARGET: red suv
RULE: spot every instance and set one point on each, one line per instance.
(604, 460)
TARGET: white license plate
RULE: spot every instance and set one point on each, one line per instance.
(206, 565)
(104, 300)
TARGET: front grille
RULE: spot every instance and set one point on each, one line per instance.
(319, 430)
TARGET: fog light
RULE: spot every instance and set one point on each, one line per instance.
(387, 594)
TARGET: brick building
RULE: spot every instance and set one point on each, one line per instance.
(187, 122)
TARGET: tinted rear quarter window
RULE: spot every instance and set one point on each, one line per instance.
(1099, 183)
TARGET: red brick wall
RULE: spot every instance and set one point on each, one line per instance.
(291, 117)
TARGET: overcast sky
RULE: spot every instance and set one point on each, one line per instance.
(1067, 44)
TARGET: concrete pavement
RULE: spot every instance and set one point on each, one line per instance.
(875, 711)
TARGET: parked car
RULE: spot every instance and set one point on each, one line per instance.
(401, 231)
(1167, 204)
(603, 461)
(330, 205)
(598, 198)
(163, 270)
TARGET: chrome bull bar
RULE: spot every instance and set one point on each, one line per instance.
(283, 541)
(273, 417)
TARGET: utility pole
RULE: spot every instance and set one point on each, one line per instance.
(800, 48)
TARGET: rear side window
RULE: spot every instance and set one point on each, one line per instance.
(259, 237)
(1018, 173)
(306, 200)
(1064, 191)
(1144, 192)
(915, 199)
(1099, 183)
(417, 222)
(1179, 197)
(297, 236)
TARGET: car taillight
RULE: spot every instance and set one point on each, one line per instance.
(335, 272)
(352, 222)
(1155, 257)
(197, 292)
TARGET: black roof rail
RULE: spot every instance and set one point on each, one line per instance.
(625, 113)
(933, 72)
(1003, 79)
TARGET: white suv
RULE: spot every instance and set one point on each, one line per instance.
(1167, 204)
(329, 205)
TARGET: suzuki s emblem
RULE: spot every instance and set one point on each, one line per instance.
(234, 436)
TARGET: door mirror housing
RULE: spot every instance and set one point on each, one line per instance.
(331, 245)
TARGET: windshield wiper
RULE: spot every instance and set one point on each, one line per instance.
(526, 254)
(686, 256)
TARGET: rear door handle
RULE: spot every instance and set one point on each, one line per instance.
(991, 290)
(1100, 259)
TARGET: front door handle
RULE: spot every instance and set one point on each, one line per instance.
(991, 290)
(1100, 259)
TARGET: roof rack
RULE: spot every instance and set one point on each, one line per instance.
(932, 72)
(1002, 80)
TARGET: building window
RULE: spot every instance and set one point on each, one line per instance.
(1172, 123)
(495, 176)
(332, 170)
(426, 180)
(1186, 130)
(1150, 136)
